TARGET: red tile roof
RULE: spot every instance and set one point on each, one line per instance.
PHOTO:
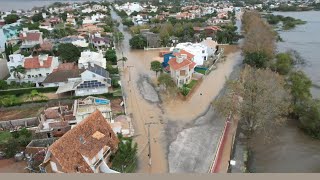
(31, 36)
(66, 66)
(176, 66)
(68, 150)
(33, 63)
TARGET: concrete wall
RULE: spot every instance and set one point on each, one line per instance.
(26, 122)
(4, 72)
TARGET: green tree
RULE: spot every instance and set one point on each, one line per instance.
(8, 100)
(299, 85)
(178, 30)
(283, 64)
(164, 36)
(166, 81)
(309, 117)
(37, 17)
(3, 84)
(18, 72)
(138, 42)
(156, 67)
(125, 159)
(11, 18)
(11, 147)
(68, 52)
(111, 56)
(256, 59)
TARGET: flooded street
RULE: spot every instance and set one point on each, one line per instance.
(187, 132)
(292, 150)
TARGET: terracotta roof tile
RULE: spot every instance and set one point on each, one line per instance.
(68, 150)
(176, 66)
(33, 62)
(31, 36)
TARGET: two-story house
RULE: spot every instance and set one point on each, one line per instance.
(87, 80)
(100, 42)
(86, 148)
(181, 67)
(36, 68)
(199, 51)
(30, 38)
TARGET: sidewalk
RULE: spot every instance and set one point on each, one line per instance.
(223, 158)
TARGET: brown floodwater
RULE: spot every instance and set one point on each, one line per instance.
(290, 151)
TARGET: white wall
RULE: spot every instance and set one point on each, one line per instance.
(3, 68)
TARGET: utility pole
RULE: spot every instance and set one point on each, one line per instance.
(149, 143)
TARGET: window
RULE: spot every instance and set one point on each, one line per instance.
(93, 75)
(40, 75)
(29, 76)
(203, 51)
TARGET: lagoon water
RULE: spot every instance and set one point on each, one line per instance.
(305, 39)
(292, 150)
(8, 5)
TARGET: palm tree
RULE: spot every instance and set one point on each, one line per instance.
(123, 59)
(18, 72)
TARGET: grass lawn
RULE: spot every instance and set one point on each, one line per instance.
(4, 136)
(16, 47)
(117, 92)
(60, 26)
(201, 71)
(192, 84)
(185, 90)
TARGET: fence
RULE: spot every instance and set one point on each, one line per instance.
(214, 168)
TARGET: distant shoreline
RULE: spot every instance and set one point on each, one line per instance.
(8, 5)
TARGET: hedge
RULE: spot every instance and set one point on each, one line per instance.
(106, 95)
(19, 92)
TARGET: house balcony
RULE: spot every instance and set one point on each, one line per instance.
(105, 157)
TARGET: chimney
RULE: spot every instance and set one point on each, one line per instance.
(179, 59)
(42, 58)
(24, 34)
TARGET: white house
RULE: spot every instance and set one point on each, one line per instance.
(88, 80)
(92, 57)
(199, 51)
(181, 67)
(130, 7)
(30, 38)
(37, 68)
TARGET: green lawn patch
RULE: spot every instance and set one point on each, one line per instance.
(201, 71)
(16, 47)
(185, 90)
(192, 84)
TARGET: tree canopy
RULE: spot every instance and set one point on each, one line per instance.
(138, 42)
(259, 97)
(156, 66)
(11, 18)
(69, 52)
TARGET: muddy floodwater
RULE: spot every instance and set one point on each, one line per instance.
(293, 150)
(290, 151)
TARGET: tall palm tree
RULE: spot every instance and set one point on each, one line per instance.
(18, 72)
(123, 59)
